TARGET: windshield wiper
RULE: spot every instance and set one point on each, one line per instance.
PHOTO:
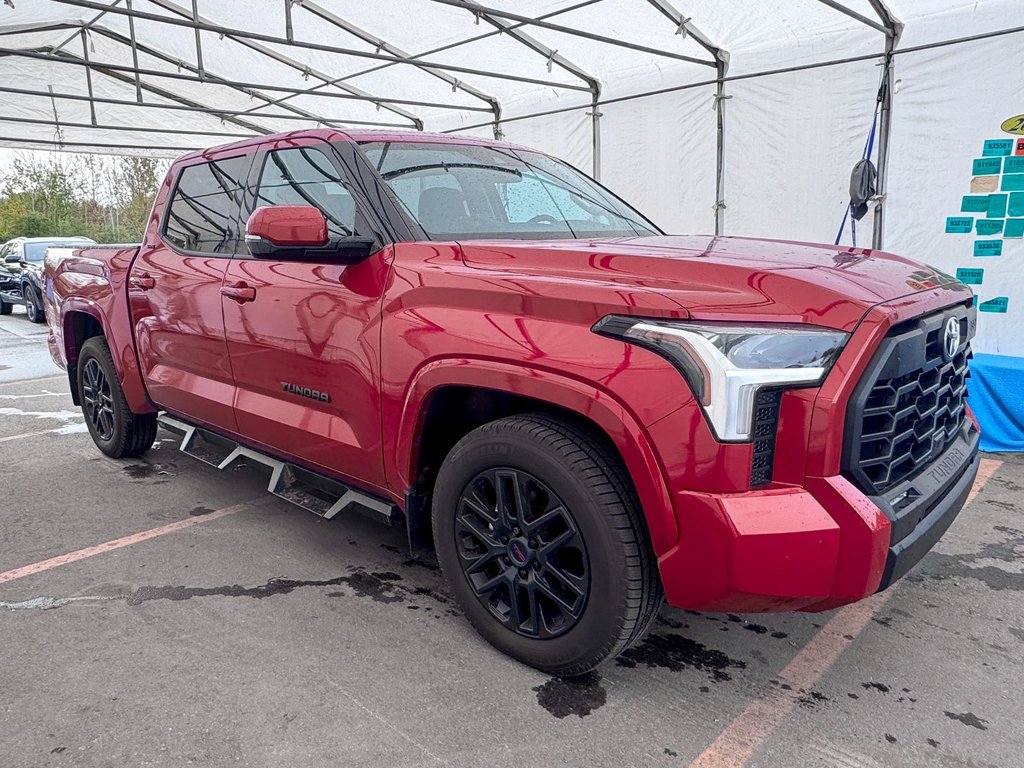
(446, 166)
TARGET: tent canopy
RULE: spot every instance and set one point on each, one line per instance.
(724, 116)
(116, 75)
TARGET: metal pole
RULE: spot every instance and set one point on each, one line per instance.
(199, 43)
(720, 98)
(135, 54)
(884, 134)
(88, 77)
(595, 126)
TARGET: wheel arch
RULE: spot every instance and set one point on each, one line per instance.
(449, 398)
(78, 326)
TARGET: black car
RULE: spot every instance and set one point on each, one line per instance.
(21, 269)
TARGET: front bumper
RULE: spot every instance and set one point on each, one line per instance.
(811, 548)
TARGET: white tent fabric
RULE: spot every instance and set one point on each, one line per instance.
(800, 84)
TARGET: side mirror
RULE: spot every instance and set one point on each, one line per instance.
(299, 232)
(12, 258)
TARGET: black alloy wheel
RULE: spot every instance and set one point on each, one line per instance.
(97, 401)
(541, 537)
(522, 552)
(33, 306)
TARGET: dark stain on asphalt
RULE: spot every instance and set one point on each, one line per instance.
(200, 511)
(939, 566)
(139, 471)
(676, 653)
(968, 718)
(810, 699)
(880, 687)
(670, 752)
(933, 742)
(890, 738)
(564, 696)
(757, 629)
(379, 587)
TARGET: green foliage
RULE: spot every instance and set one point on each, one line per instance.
(107, 199)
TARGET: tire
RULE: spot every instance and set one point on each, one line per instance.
(33, 304)
(117, 431)
(569, 476)
(6, 308)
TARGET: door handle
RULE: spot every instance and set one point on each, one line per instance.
(240, 292)
(142, 282)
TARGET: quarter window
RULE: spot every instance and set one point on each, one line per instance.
(305, 176)
(200, 217)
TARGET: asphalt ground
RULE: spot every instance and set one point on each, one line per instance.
(225, 627)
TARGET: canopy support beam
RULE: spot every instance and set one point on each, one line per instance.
(383, 45)
(88, 77)
(288, 61)
(684, 25)
(554, 58)
(474, 7)
(837, 6)
(240, 35)
(893, 31)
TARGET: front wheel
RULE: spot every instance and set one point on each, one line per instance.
(117, 431)
(539, 532)
(33, 305)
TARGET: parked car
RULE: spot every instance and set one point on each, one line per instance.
(586, 412)
(21, 268)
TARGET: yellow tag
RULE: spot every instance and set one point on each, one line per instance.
(1014, 125)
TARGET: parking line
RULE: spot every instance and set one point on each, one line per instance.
(31, 381)
(23, 434)
(756, 723)
(124, 541)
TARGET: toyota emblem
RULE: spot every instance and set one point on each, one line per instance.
(951, 338)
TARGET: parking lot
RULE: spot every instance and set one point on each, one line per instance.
(159, 612)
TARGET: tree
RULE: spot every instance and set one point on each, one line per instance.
(107, 199)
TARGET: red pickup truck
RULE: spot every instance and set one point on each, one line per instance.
(586, 413)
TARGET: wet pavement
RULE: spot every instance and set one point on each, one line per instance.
(231, 628)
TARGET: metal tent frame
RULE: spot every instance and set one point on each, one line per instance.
(274, 105)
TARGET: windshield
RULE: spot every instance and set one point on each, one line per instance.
(36, 252)
(468, 191)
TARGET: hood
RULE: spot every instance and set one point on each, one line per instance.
(726, 278)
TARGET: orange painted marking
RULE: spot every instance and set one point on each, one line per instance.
(124, 541)
(758, 721)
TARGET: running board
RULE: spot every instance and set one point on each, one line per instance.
(313, 492)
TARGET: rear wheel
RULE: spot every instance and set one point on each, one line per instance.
(33, 304)
(540, 535)
(117, 431)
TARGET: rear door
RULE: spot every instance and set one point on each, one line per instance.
(305, 347)
(175, 292)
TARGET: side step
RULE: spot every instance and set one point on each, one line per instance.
(313, 492)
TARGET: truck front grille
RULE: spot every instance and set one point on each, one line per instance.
(910, 405)
(766, 422)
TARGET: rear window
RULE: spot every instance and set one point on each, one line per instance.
(201, 215)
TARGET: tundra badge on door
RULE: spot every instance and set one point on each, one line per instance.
(312, 394)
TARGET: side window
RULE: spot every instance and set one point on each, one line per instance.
(305, 176)
(199, 217)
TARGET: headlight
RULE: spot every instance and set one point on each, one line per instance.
(726, 364)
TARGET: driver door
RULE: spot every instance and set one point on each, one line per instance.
(303, 336)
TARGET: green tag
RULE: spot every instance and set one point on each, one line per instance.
(1013, 182)
(1016, 207)
(997, 147)
(1014, 228)
(987, 166)
(996, 206)
(988, 247)
(970, 276)
(960, 224)
(1013, 164)
(998, 304)
(974, 204)
(990, 226)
